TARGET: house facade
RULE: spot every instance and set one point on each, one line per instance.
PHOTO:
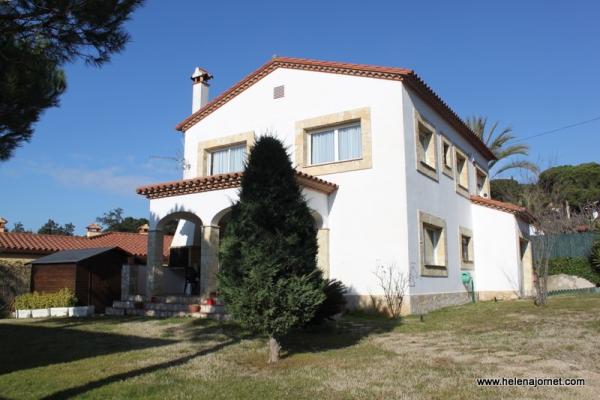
(391, 174)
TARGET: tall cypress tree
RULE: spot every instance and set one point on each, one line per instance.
(269, 278)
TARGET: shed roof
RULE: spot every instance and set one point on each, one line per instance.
(76, 255)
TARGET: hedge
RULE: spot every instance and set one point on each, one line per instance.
(14, 280)
(578, 266)
(62, 298)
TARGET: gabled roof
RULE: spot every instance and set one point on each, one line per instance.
(519, 211)
(407, 76)
(73, 256)
(38, 243)
(33, 243)
(223, 181)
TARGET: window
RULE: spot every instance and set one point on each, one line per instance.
(226, 160)
(434, 259)
(447, 157)
(426, 147)
(462, 173)
(335, 144)
(223, 154)
(432, 241)
(482, 183)
(466, 247)
(465, 241)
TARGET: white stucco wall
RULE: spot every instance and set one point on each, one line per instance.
(438, 198)
(373, 216)
(496, 248)
(367, 215)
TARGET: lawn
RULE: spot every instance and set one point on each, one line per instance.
(361, 357)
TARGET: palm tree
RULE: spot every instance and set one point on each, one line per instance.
(500, 145)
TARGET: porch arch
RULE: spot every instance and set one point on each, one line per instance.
(161, 280)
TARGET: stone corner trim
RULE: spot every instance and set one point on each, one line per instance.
(223, 181)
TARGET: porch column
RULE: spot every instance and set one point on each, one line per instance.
(209, 259)
(154, 263)
(323, 252)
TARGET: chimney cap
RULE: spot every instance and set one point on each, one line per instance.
(3, 221)
(143, 229)
(200, 75)
(93, 227)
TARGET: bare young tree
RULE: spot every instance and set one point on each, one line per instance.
(394, 283)
(550, 216)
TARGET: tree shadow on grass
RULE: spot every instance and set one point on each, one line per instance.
(28, 346)
(335, 334)
(75, 391)
(200, 331)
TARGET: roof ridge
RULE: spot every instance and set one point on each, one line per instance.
(409, 76)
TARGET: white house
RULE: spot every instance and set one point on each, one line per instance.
(391, 173)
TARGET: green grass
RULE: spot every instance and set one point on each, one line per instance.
(361, 356)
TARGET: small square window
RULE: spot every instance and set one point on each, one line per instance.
(447, 163)
(425, 138)
(483, 189)
(466, 248)
(462, 173)
(434, 258)
(432, 241)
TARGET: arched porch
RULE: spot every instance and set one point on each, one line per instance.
(204, 206)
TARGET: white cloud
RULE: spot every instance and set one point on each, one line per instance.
(109, 179)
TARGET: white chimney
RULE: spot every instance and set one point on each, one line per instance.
(200, 88)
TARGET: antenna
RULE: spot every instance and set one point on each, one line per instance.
(180, 161)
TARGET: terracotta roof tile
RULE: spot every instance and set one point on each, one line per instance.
(34, 243)
(519, 211)
(222, 181)
(407, 76)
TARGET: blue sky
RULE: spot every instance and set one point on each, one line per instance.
(533, 65)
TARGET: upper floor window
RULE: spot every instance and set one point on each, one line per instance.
(228, 159)
(482, 183)
(447, 163)
(425, 139)
(340, 143)
(462, 173)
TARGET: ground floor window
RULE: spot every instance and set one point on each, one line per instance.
(466, 248)
(434, 258)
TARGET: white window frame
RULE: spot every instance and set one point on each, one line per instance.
(228, 148)
(336, 150)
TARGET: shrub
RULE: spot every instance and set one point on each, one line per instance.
(595, 256)
(62, 298)
(578, 266)
(14, 280)
(334, 303)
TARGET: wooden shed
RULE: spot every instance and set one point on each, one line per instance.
(93, 274)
